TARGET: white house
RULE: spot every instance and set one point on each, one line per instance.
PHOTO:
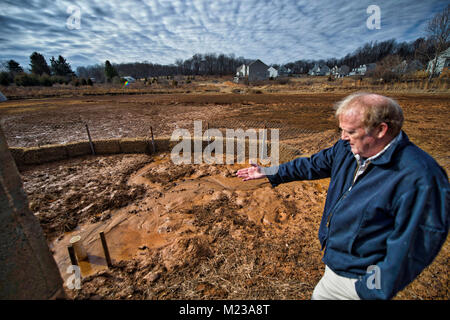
(242, 71)
(273, 73)
(363, 69)
(442, 62)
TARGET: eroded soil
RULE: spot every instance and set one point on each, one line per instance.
(196, 231)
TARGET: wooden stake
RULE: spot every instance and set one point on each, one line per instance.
(90, 140)
(73, 258)
(153, 140)
(105, 250)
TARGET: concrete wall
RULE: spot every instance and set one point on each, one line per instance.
(27, 268)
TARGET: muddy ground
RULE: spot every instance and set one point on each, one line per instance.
(196, 232)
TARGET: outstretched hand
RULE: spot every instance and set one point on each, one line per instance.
(251, 173)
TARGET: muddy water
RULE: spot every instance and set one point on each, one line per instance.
(165, 214)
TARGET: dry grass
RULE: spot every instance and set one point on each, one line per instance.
(225, 85)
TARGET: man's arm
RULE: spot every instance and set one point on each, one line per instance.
(421, 228)
(318, 166)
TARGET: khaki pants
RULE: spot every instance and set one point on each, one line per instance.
(335, 287)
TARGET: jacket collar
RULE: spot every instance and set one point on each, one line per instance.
(386, 157)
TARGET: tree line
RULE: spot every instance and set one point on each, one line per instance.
(226, 65)
(59, 71)
(198, 64)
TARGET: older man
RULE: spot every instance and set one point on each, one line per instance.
(386, 214)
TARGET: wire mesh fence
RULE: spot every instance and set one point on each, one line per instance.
(292, 139)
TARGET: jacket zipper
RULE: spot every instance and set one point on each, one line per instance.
(344, 195)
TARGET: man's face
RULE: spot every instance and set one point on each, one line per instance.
(353, 131)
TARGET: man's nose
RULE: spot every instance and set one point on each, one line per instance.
(344, 136)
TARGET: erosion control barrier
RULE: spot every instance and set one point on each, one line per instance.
(37, 155)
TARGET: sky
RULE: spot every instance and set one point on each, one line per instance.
(162, 31)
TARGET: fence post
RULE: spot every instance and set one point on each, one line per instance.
(105, 250)
(73, 258)
(153, 140)
(90, 140)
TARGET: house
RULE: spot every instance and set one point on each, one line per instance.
(339, 72)
(442, 62)
(319, 70)
(242, 71)
(408, 67)
(363, 69)
(343, 71)
(273, 73)
(284, 71)
(334, 71)
(256, 70)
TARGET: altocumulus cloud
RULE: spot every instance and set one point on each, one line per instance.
(162, 31)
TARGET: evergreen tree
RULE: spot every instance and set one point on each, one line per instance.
(38, 64)
(14, 67)
(61, 67)
(110, 71)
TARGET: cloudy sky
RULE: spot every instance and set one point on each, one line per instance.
(161, 31)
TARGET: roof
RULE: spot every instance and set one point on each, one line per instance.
(257, 61)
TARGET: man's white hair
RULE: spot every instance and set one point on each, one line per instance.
(376, 110)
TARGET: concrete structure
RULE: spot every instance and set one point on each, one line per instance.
(442, 62)
(27, 268)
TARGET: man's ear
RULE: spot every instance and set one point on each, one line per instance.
(382, 130)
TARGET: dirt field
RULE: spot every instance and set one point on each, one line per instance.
(197, 232)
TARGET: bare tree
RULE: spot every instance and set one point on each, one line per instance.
(438, 31)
